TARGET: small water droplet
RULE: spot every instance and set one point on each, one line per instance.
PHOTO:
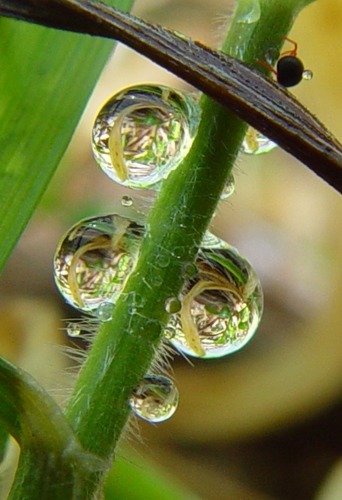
(173, 305)
(73, 330)
(256, 143)
(105, 311)
(94, 259)
(126, 201)
(163, 260)
(221, 307)
(190, 270)
(155, 399)
(229, 188)
(307, 74)
(143, 132)
(249, 11)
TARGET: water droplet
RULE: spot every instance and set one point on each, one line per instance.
(105, 311)
(173, 305)
(94, 259)
(307, 74)
(190, 270)
(155, 399)
(256, 143)
(249, 11)
(163, 260)
(229, 188)
(210, 240)
(73, 330)
(126, 201)
(143, 132)
(221, 307)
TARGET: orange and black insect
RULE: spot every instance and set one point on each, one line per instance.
(289, 69)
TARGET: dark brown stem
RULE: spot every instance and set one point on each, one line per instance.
(258, 100)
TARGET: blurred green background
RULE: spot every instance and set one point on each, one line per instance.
(264, 423)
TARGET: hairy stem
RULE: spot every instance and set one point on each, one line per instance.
(125, 346)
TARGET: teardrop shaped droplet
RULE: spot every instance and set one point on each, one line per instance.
(94, 259)
(256, 143)
(155, 399)
(143, 132)
(221, 307)
(229, 188)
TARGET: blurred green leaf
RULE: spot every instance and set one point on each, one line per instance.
(134, 479)
(46, 79)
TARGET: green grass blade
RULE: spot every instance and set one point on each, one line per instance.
(46, 79)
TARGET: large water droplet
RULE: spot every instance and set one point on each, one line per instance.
(221, 307)
(155, 399)
(256, 143)
(94, 259)
(143, 132)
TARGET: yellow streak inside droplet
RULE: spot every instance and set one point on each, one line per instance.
(101, 242)
(189, 328)
(114, 141)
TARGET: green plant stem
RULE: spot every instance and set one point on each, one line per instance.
(125, 347)
(52, 462)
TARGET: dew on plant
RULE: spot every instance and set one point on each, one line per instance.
(255, 143)
(94, 259)
(173, 305)
(104, 312)
(155, 399)
(249, 12)
(229, 188)
(143, 132)
(307, 74)
(221, 307)
(73, 330)
(163, 260)
(126, 201)
(190, 270)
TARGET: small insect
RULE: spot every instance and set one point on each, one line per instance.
(289, 69)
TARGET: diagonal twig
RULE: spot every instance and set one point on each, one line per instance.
(258, 100)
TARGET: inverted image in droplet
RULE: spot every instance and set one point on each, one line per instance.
(155, 399)
(256, 143)
(221, 306)
(94, 259)
(229, 188)
(143, 132)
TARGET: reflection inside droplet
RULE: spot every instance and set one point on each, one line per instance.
(142, 133)
(155, 399)
(94, 259)
(221, 307)
(256, 143)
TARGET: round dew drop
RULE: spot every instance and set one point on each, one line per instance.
(93, 261)
(221, 307)
(155, 399)
(143, 132)
(73, 330)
